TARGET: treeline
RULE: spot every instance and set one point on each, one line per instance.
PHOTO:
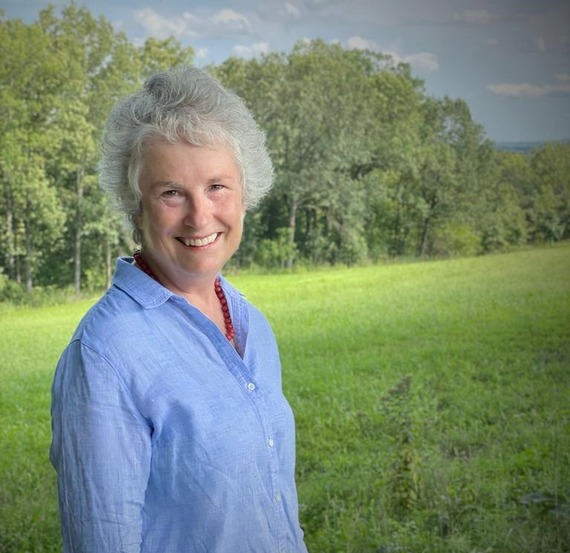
(368, 165)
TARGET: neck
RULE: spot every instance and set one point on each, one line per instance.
(205, 302)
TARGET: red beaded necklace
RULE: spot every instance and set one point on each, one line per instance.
(230, 333)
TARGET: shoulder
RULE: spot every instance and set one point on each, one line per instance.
(124, 308)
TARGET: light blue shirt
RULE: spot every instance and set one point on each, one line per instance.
(166, 439)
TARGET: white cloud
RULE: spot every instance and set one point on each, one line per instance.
(476, 17)
(511, 90)
(202, 53)
(424, 62)
(231, 21)
(359, 43)
(492, 42)
(189, 25)
(564, 77)
(190, 20)
(162, 27)
(292, 10)
(256, 49)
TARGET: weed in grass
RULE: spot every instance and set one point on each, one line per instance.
(404, 477)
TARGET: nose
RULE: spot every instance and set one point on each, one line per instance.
(198, 213)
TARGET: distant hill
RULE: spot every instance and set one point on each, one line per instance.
(525, 147)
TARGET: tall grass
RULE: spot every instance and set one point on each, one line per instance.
(30, 343)
(432, 405)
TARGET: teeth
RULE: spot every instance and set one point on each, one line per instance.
(200, 241)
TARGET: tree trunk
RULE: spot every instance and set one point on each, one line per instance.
(78, 232)
(292, 229)
(28, 260)
(422, 248)
(77, 261)
(10, 241)
(108, 261)
(395, 248)
(426, 226)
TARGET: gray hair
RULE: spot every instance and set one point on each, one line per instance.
(181, 104)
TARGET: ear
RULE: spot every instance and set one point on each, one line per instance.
(136, 218)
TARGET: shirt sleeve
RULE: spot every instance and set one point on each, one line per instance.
(101, 449)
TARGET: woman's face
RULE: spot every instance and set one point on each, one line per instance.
(192, 211)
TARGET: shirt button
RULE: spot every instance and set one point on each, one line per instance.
(277, 497)
(270, 442)
(251, 386)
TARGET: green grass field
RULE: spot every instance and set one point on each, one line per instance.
(432, 402)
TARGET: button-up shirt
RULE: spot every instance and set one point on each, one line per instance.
(166, 438)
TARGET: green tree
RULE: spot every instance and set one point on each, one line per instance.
(395, 141)
(367, 165)
(504, 219)
(101, 66)
(550, 213)
(84, 49)
(316, 105)
(453, 170)
(29, 84)
(157, 55)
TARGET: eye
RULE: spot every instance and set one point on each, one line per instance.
(172, 196)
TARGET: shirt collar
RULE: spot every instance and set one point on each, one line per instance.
(143, 289)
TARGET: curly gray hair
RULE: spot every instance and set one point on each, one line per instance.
(184, 103)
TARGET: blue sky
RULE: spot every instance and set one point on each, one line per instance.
(508, 59)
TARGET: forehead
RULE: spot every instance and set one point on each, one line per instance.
(161, 153)
(155, 137)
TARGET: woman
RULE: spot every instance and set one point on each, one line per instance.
(170, 430)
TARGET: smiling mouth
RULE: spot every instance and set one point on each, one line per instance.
(199, 242)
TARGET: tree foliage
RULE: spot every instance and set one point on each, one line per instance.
(59, 78)
(368, 166)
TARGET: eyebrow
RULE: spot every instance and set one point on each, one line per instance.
(163, 184)
(222, 177)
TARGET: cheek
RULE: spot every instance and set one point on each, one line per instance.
(232, 213)
(153, 221)
(238, 220)
(158, 211)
